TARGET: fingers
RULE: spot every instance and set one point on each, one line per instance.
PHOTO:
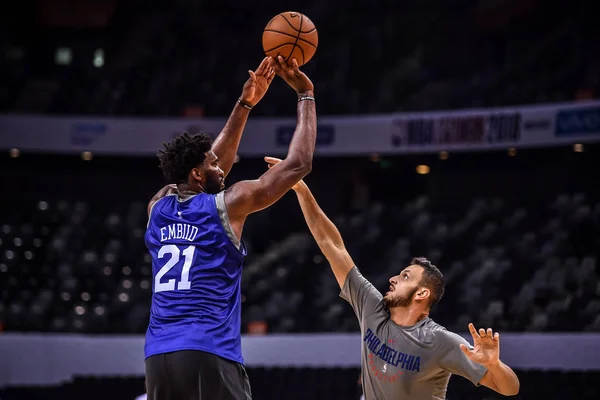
(489, 333)
(283, 69)
(473, 331)
(280, 66)
(483, 333)
(271, 75)
(295, 66)
(263, 67)
(277, 66)
(272, 160)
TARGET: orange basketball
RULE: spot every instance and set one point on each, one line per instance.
(290, 35)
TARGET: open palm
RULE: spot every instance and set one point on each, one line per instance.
(486, 346)
(258, 83)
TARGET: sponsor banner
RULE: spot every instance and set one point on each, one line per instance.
(578, 121)
(465, 130)
(452, 131)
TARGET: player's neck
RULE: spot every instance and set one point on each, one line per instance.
(407, 316)
(185, 190)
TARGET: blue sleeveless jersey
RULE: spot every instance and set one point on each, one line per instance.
(196, 270)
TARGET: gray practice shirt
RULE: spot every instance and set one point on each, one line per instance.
(404, 362)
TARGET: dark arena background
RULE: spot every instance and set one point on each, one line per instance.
(464, 131)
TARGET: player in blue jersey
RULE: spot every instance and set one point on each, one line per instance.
(193, 343)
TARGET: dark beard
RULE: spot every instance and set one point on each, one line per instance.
(404, 301)
(213, 186)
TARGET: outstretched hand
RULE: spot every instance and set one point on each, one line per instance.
(272, 161)
(486, 347)
(258, 83)
(292, 75)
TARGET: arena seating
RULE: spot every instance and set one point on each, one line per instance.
(74, 260)
(513, 269)
(160, 59)
(516, 237)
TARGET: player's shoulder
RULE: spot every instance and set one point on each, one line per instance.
(160, 202)
(204, 198)
(442, 336)
(163, 201)
(435, 328)
(192, 206)
(173, 200)
(429, 330)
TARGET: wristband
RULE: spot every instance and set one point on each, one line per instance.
(303, 98)
(246, 106)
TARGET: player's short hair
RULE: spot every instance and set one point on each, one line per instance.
(432, 279)
(183, 153)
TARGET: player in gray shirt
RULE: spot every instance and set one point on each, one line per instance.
(405, 354)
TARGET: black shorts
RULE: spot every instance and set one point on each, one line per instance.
(195, 375)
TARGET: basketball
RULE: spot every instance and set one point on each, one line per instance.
(290, 35)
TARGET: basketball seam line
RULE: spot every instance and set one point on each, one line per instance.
(301, 51)
(300, 28)
(281, 45)
(296, 42)
(287, 34)
(288, 44)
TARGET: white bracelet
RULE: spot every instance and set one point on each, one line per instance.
(302, 98)
(246, 106)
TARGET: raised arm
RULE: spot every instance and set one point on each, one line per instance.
(486, 351)
(324, 231)
(226, 144)
(480, 363)
(247, 197)
(326, 234)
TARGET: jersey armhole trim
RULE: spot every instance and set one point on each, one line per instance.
(224, 217)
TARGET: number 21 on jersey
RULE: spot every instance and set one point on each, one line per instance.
(175, 254)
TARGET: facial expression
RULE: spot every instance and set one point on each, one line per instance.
(403, 287)
(214, 177)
